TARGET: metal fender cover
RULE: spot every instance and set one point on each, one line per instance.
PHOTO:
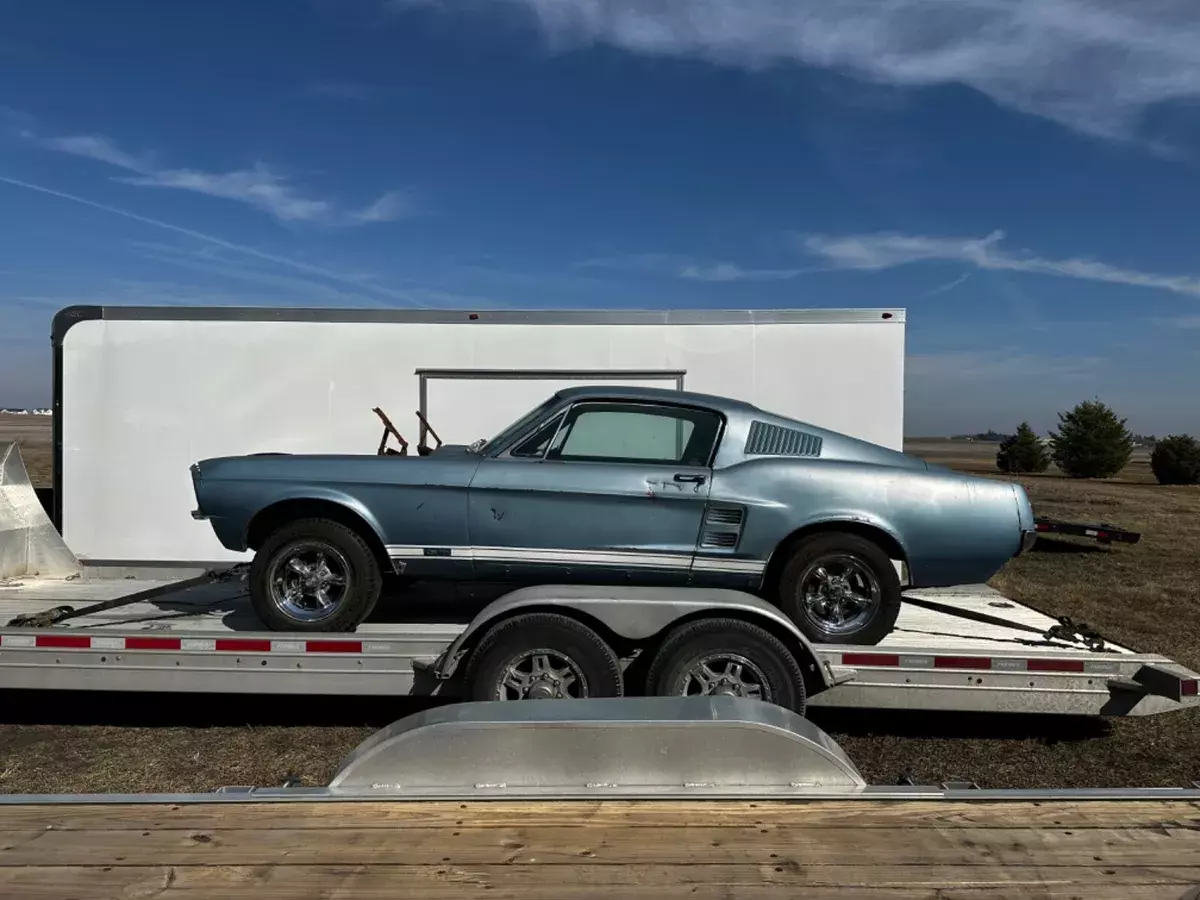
(635, 613)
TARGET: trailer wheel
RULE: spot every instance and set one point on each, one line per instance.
(314, 575)
(840, 588)
(542, 656)
(727, 656)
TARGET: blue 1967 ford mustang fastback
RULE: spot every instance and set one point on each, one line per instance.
(618, 485)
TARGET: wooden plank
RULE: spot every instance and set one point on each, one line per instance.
(539, 845)
(627, 814)
(300, 882)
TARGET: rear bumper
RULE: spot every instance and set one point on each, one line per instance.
(1028, 539)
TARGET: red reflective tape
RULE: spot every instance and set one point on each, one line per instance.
(1054, 665)
(870, 659)
(64, 641)
(1188, 688)
(961, 662)
(152, 643)
(1041, 527)
(333, 646)
(243, 645)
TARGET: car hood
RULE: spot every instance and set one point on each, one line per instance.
(280, 464)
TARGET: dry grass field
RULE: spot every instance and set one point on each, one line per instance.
(1146, 595)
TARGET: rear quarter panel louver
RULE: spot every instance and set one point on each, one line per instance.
(722, 527)
(765, 439)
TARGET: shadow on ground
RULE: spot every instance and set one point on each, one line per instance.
(156, 710)
(1047, 729)
(1051, 545)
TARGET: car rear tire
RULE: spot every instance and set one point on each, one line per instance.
(727, 656)
(542, 656)
(840, 589)
(314, 575)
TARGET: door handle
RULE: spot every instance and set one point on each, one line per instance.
(695, 479)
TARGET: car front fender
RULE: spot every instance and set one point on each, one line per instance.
(315, 495)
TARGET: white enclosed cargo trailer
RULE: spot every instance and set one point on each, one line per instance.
(140, 393)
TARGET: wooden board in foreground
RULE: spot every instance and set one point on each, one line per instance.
(559, 851)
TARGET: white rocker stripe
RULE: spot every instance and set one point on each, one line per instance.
(714, 564)
(405, 551)
(583, 557)
(551, 556)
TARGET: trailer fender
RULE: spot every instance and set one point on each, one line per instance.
(638, 614)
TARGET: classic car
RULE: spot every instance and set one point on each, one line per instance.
(618, 485)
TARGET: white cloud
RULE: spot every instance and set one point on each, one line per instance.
(259, 187)
(676, 266)
(97, 147)
(948, 286)
(222, 244)
(727, 271)
(392, 205)
(886, 251)
(1093, 65)
(636, 262)
(1184, 322)
(1003, 364)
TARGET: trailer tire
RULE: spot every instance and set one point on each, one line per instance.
(753, 662)
(865, 565)
(347, 556)
(534, 654)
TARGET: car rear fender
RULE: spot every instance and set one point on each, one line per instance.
(862, 524)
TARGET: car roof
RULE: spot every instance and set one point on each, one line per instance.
(633, 392)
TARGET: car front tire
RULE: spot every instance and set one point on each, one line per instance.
(840, 589)
(314, 575)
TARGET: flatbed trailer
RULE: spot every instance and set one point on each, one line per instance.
(192, 630)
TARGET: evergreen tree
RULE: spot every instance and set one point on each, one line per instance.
(1022, 452)
(1091, 442)
(1176, 460)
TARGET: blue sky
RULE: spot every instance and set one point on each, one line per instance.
(1021, 175)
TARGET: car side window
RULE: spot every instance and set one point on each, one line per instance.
(534, 446)
(633, 432)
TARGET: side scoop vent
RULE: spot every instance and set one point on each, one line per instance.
(774, 440)
(722, 527)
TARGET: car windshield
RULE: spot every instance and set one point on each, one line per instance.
(516, 428)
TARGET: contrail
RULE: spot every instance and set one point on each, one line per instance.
(198, 235)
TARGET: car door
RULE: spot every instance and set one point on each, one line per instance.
(603, 491)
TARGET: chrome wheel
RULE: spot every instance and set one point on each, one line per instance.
(542, 675)
(308, 580)
(724, 673)
(839, 593)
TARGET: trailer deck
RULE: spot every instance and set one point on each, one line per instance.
(1102, 850)
(205, 638)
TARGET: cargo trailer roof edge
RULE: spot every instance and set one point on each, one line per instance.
(69, 316)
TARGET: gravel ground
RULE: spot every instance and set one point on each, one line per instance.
(1146, 596)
